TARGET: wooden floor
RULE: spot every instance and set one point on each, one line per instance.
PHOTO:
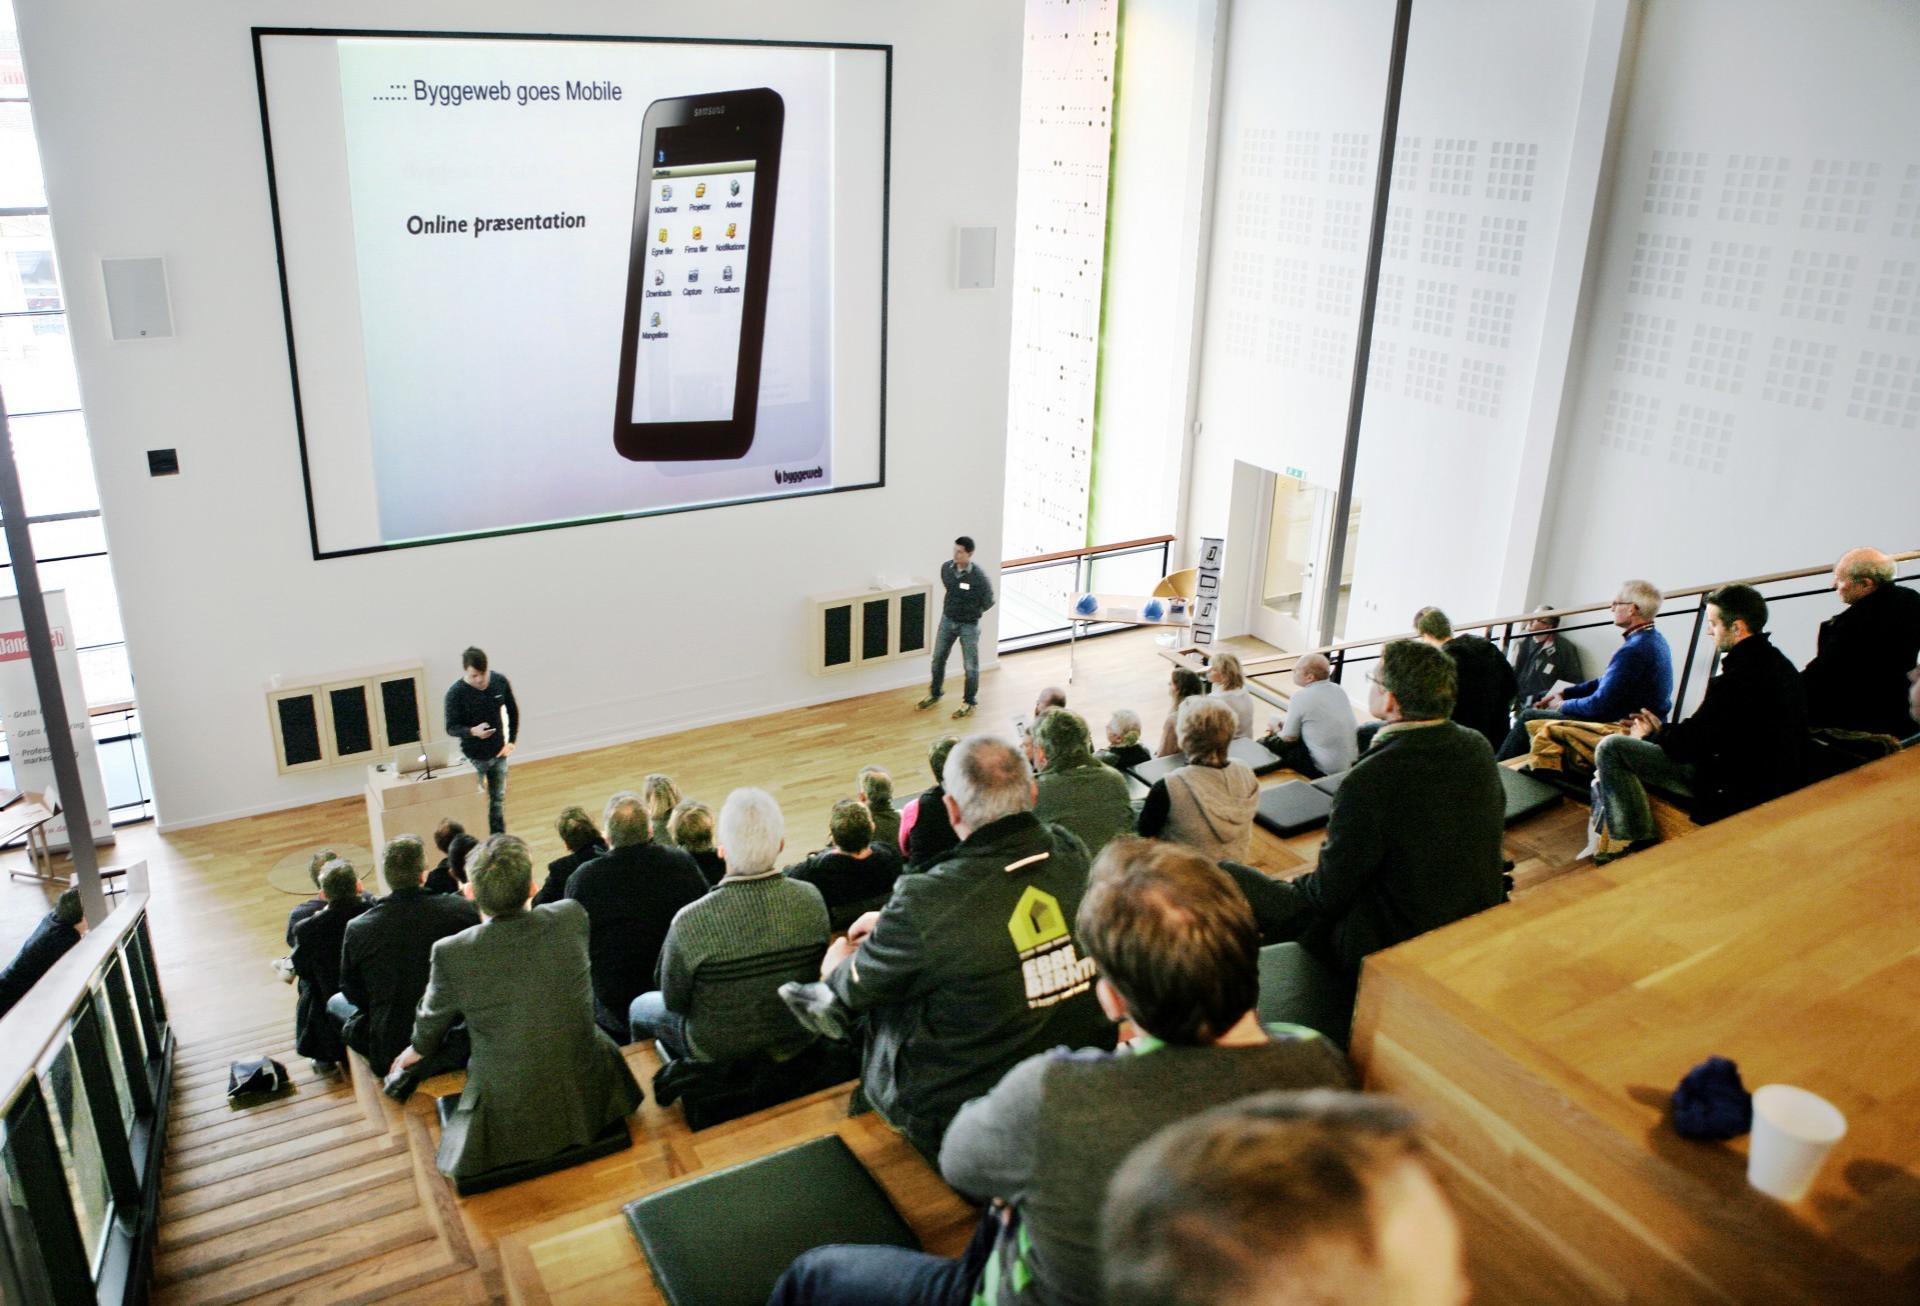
(331, 1194)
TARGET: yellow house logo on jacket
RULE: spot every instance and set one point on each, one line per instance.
(1051, 968)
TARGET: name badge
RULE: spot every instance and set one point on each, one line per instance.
(965, 586)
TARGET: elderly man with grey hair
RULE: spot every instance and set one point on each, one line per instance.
(1857, 679)
(972, 965)
(542, 1078)
(1638, 678)
(1317, 736)
(631, 894)
(726, 955)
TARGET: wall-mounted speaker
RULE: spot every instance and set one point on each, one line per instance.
(973, 258)
(137, 305)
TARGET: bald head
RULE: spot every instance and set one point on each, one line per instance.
(1312, 667)
(1861, 572)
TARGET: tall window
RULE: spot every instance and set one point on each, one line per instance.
(50, 446)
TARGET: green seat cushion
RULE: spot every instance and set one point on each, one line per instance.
(1526, 795)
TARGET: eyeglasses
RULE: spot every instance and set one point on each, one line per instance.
(1618, 603)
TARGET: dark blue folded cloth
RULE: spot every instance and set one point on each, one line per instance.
(1711, 1102)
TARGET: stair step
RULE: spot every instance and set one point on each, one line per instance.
(187, 1156)
(243, 1211)
(292, 1269)
(288, 1174)
(414, 1268)
(194, 1098)
(197, 1130)
(263, 1235)
(186, 1079)
(205, 1051)
(466, 1288)
(270, 1153)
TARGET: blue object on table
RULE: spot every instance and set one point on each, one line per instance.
(1712, 1103)
(1154, 610)
(1086, 605)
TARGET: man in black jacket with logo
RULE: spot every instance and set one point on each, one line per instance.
(969, 595)
(1745, 743)
(51, 939)
(484, 716)
(1858, 679)
(386, 957)
(972, 966)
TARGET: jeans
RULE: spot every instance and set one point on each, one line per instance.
(1518, 741)
(493, 771)
(866, 1275)
(452, 1054)
(1623, 767)
(968, 633)
(648, 1017)
(341, 1011)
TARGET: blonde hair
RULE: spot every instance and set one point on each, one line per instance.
(661, 796)
(691, 826)
(1205, 729)
(1228, 667)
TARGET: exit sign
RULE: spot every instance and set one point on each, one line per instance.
(1296, 473)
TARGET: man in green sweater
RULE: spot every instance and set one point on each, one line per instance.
(1077, 789)
(727, 954)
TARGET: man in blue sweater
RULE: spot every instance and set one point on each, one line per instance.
(1639, 678)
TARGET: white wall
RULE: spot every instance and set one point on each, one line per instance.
(149, 128)
(1748, 397)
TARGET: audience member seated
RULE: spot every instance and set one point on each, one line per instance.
(1229, 686)
(1177, 954)
(925, 833)
(1908, 740)
(1541, 660)
(876, 791)
(661, 796)
(542, 1077)
(854, 874)
(57, 932)
(691, 826)
(1209, 803)
(1183, 685)
(384, 960)
(726, 955)
(1051, 697)
(451, 875)
(1856, 680)
(1745, 743)
(316, 960)
(971, 966)
(1076, 789)
(631, 895)
(1485, 679)
(1124, 751)
(443, 837)
(1413, 843)
(584, 843)
(1284, 1199)
(283, 966)
(1317, 735)
(1639, 676)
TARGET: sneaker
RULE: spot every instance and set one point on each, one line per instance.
(816, 1008)
(325, 1069)
(927, 702)
(1638, 845)
(965, 709)
(283, 968)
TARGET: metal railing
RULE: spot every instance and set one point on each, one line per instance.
(87, 1058)
(1037, 592)
(1675, 609)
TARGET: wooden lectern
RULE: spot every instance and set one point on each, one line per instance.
(407, 803)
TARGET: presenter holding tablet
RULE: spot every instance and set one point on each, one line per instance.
(969, 595)
(483, 716)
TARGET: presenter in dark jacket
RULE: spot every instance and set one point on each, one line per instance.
(316, 960)
(1858, 678)
(484, 716)
(1413, 844)
(968, 596)
(384, 961)
(631, 895)
(542, 1078)
(51, 939)
(1744, 744)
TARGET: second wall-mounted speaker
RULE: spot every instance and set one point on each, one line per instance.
(973, 258)
(137, 305)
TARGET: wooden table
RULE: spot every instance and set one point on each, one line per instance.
(1541, 1041)
(1121, 610)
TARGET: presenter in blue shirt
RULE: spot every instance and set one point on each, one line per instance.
(969, 595)
(483, 715)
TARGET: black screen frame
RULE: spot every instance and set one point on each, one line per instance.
(286, 294)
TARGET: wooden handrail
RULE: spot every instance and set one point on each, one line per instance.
(1270, 665)
(1089, 551)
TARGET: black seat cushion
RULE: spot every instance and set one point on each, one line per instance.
(711, 1094)
(1158, 768)
(1253, 755)
(1292, 808)
(1330, 784)
(614, 1138)
(1527, 795)
(726, 1237)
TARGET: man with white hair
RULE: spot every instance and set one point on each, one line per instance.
(727, 954)
(1857, 679)
(1638, 678)
(972, 965)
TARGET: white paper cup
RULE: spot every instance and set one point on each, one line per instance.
(1793, 1130)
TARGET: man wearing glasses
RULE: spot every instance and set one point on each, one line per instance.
(1639, 678)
